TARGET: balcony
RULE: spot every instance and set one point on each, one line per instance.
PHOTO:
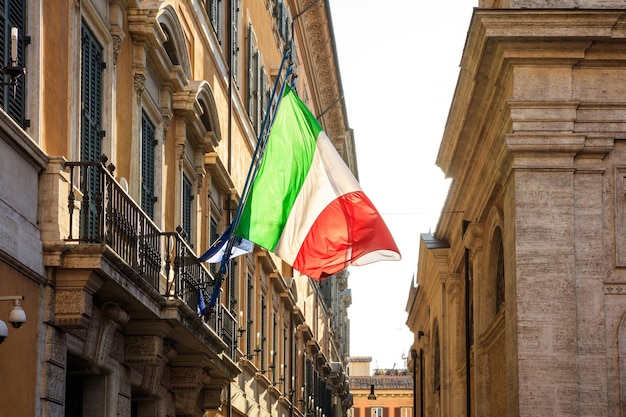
(109, 249)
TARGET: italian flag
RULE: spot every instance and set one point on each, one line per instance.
(306, 206)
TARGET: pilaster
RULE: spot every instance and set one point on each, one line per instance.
(539, 260)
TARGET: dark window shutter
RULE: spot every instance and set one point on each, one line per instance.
(368, 412)
(187, 199)
(13, 14)
(357, 412)
(264, 93)
(386, 412)
(249, 296)
(231, 284)
(234, 41)
(263, 307)
(91, 127)
(213, 235)
(212, 11)
(397, 412)
(148, 142)
(253, 80)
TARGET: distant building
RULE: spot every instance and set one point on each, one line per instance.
(387, 393)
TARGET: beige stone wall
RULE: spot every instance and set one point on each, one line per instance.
(534, 146)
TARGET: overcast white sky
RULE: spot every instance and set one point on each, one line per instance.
(399, 65)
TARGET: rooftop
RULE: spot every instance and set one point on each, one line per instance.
(382, 382)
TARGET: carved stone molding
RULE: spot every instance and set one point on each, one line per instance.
(139, 84)
(117, 45)
(152, 372)
(186, 382)
(146, 351)
(615, 289)
(473, 238)
(112, 316)
(73, 301)
(167, 118)
(180, 151)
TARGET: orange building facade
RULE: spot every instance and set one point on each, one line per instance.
(387, 393)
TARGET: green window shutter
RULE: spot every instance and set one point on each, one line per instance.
(13, 14)
(91, 96)
(186, 207)
(148, 143)
(91, 127)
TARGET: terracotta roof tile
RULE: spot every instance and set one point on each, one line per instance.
(381, 382)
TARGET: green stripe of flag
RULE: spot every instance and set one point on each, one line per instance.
(284, 168)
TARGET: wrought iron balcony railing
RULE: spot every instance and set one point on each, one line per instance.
(106, 214)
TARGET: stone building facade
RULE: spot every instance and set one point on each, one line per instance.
(519, 307)
(124, 149)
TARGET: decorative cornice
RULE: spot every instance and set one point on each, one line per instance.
(316, 38)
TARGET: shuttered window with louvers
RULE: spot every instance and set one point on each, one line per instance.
(186, 207)
(12, 98)
(148, 143)
(92, 65)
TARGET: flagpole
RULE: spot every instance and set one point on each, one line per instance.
(268, 121)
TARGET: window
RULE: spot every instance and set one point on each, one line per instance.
(186, 207)
(283, 20)
(253, 81)
(148, 143)
(234, 50)
(274, 345)
(12, 100)
(91, 127)
(377, 412)
(214, 10)
(406, 412)
(232, 287)
(213, 236)
(436, 360)
(500, 283)
(249, 296)
(263, 325)
(285, 368)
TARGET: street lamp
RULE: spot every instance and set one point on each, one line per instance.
(371, 396)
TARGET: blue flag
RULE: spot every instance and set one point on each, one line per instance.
(215, 253)
(201, 307)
